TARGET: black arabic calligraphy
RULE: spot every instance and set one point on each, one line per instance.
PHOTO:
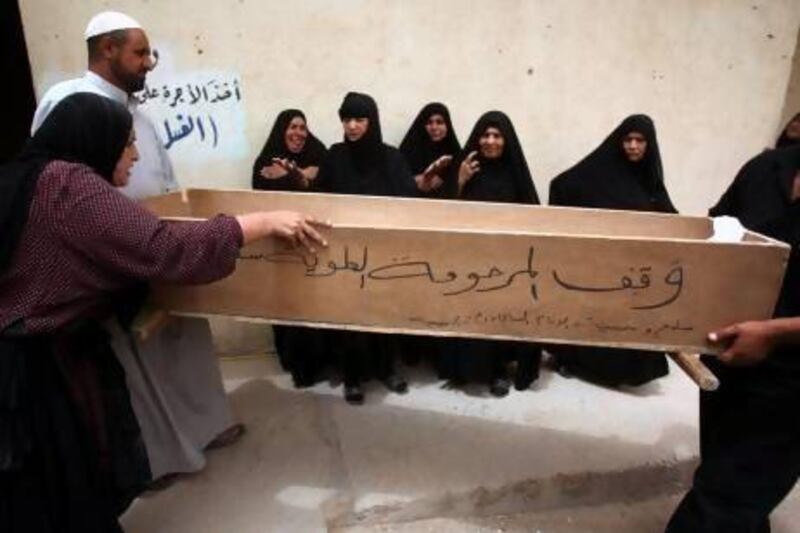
(674, 278)
(397, 270)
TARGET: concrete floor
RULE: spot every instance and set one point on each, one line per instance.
(564, 456)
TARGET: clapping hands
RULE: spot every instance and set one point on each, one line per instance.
(431, 179)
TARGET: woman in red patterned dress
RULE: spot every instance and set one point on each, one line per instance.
(71, 455)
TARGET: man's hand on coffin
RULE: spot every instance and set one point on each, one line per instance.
(297, 228)
(746, 343)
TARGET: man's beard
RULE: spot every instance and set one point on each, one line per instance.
(137, 85)
(131, 82)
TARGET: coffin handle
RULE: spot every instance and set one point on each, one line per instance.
(696, 370)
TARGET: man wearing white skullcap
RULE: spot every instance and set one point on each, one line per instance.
(119, 60)
(109, 21)
(175, 384)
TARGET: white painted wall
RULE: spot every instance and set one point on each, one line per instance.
(712, 73)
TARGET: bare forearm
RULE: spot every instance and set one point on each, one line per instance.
(254, 226)
(785, 330)
(297, 228)
(749, 343)
(310, 173)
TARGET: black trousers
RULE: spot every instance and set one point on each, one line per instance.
(749, 449)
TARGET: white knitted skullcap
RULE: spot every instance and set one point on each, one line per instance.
(109, 21)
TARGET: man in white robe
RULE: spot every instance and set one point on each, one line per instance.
(174, 378)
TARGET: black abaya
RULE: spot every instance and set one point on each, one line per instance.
(761, 191)
(420, 151)
(311, 155)
(364, 167)
(506, 179)
(606, 179)
(301, 351)
(749, 428)
(784, 140)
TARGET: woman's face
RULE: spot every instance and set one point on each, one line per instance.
(355, 128)
(436, 127)
(130, 155)
(296, 134)
(491, 143)
(793, 128)
(634, 146)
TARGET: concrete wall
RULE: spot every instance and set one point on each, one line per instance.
(712, 73)
(791, 104)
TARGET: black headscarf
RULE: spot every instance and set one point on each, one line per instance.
(762, 189)
(505, 179)
(784, 141)
(417, 146)
(606, 179)
(311, 155)
(366, 166)
(368, 149)
(83, 128)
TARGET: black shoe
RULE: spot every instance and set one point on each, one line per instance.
(558, 365)
(303, 382)
(524, 378)
(396, 383)
(522, 382)
(353, 394)
(499, 387)
(564, 371)
(452, 384)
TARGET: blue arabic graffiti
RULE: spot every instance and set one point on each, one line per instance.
(210, 92)
(186, 125)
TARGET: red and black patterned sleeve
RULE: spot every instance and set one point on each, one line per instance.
(124, 240)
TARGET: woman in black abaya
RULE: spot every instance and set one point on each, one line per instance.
(290, 161)
(624, 172)
(429, 146)
(764, 188)
(363, 164)
(491, 168)
(790, 136)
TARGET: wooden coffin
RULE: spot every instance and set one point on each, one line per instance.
(547, 274)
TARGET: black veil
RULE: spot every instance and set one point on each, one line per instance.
(606, 179)
(82, 128)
